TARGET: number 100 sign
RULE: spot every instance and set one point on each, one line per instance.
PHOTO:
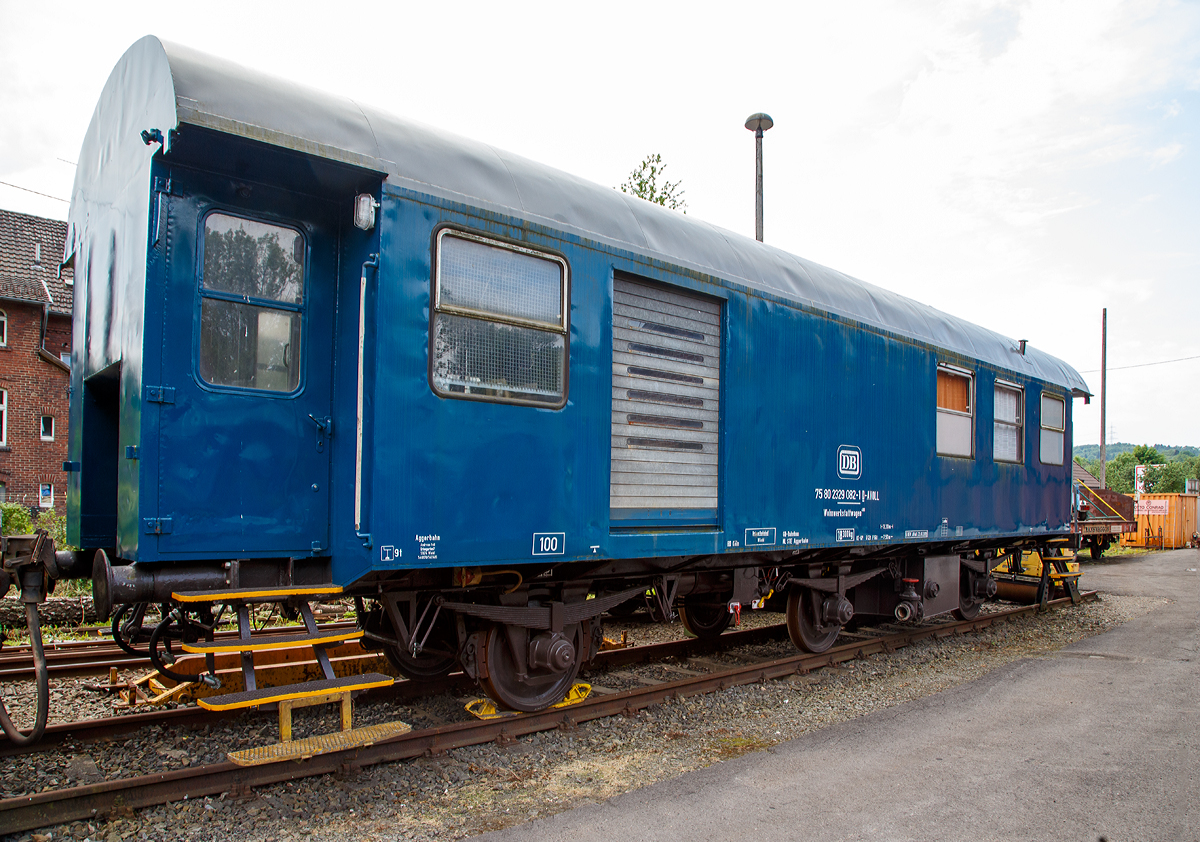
(549, 543)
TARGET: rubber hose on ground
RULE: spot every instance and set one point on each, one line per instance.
(34, 624)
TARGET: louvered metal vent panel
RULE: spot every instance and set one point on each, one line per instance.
(666, 404)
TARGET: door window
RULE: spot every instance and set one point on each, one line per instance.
(252, 299)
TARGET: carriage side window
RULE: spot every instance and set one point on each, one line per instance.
(1009, 424)
(1054, 426)
(499, 327)
(955, 412)
(252, 295)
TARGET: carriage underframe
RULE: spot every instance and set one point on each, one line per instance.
(524, 632)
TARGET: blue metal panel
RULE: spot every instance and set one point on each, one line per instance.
(468, 482)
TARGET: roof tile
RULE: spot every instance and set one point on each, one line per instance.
(30, 273)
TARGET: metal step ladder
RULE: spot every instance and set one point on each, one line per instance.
(330, 690)
(1056, 571)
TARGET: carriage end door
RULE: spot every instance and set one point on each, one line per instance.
(244, 426)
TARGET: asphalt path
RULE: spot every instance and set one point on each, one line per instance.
(1099, 741)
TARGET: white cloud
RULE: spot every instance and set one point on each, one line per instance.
(1167, 154)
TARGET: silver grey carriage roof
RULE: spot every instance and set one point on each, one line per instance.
(178, 85)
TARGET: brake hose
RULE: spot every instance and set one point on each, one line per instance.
(34, 623)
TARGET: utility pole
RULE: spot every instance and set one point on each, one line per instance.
(1103, 376)
(758, 123)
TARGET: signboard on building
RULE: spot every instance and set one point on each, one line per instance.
(1153, 507)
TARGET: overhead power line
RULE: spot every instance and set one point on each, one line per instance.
(1141, 365)
(34, 192)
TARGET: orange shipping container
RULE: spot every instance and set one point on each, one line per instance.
(1164, 520)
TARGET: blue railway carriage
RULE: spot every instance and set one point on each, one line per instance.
(322, 349)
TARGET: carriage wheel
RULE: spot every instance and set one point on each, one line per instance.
(437, 660)
(804, 621)
(704, 618)
(424, 667)
(541, 687)
(968, 603)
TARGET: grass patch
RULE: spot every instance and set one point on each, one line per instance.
(731, 747)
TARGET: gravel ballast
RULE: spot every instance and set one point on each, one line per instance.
(471, 790)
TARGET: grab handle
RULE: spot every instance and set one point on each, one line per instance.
(371, 262)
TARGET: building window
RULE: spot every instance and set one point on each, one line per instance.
(3, 417)
(499, 327)
(252, 299)
(47, 428)
(46, 495)
(1009, 424)
(1054, 427)
(3, 328)
(955, 412)
(3, 493)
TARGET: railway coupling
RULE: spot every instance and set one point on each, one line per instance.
(30, 563)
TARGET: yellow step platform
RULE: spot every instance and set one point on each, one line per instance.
(319, 744)
(289, 692)
(257, 594)
(262, 643)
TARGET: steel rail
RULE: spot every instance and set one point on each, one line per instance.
(41, 809)
(95, 657)
(111, 726)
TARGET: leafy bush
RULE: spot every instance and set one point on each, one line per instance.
(18, 522)
(16, 519)
(56, 526)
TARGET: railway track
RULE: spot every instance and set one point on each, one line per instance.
(32, 811)
(96, 656)
(112, 726)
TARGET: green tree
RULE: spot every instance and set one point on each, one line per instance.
(1147, 455)
(643, 183)
(1118, 474)
(1172, 477)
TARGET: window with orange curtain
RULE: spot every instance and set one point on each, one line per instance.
(954, 391)
(955, 413)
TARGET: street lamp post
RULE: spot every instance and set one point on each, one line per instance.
(758, 123)
(1103, 391)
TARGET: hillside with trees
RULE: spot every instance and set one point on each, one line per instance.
(1178, 465)
(1092, 451)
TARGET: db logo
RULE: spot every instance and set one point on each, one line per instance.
(849, 462)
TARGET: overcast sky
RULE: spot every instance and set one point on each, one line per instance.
(1018, 164)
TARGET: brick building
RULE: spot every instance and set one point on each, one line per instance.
(35, 360)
